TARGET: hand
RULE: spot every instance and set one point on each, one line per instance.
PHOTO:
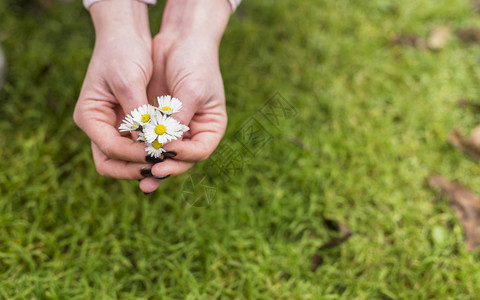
(115, 84)
(185, 65)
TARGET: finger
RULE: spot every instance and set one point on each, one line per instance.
(95, 118)
(131, 90)
(161, 172)
(116, 168)
(199, 148)
(130, 98)
(109, 140)
(191, 103)
(130, 95)
(158, 82)
(171, 168)
(149, 185)
(207, 129)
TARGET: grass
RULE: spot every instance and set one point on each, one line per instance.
(373, 117)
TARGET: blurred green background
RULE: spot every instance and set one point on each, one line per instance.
(368, 110)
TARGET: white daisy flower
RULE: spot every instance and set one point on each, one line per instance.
(129, 124)
(143, 114)
(163, 129)
(184, 128)
(179, 130)
(155, 126)
(168, 104)
(155, 149)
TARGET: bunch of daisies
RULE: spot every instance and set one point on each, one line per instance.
(155, 125)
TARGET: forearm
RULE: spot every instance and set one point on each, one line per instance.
(114, 17)
(203, 18)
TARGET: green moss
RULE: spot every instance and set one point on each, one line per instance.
(373, 119)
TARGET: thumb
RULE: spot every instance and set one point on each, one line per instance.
(131, 93)
(192, 100)
(207, 127)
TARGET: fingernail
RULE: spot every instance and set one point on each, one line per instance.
(152, 159)
(146, 172)
(169, 154)
(162, 177)
(149, 194)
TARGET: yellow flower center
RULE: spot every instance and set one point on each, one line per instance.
(157, 145)
(166, 108)
(145, 118)
(160, 129)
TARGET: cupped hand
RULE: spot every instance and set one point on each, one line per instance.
(115, 84)
(188, 69)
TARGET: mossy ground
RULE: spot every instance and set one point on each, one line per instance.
(373, 118)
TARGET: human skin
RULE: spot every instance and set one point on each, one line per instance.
(182, 61)
(185, 65)
(116, 82)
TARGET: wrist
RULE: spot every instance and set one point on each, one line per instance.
(113, 17)
(206, 19)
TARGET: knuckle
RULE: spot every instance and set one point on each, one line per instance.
(77, 116)
(195, 88)
(204, 155)
(162, 42)
(133, 78)
(126, 85)
(102, 170)
(123, 85)
(107, 150)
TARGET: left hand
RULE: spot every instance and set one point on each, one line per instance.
(185, 65)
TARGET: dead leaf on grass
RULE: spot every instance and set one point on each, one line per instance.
(409, 40)
(465, 204)
(476, 5)
(303, 146)
(317, 261)
(475, 105)
(345, 234)
(470, 35)
(438, 37)
(468, 145)
(44, 3)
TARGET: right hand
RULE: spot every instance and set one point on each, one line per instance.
(115, 84)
